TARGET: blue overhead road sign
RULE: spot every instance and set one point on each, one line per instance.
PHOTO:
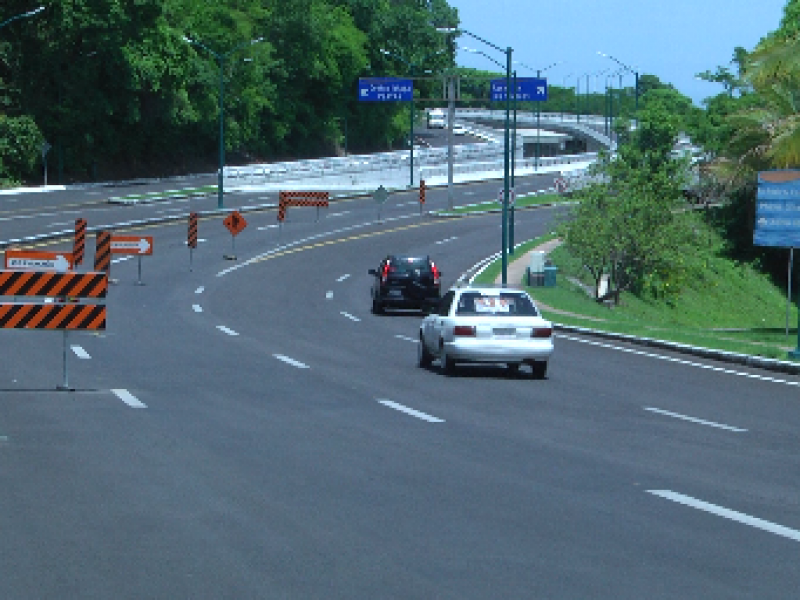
(385, 89)
(529, 89)
(778, 209)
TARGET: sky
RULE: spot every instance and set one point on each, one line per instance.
(672, 39)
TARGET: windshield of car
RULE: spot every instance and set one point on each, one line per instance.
(476, 303)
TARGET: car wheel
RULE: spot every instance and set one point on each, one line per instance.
(424, 357)
(539, 369)
(448, 364)
(377, 307)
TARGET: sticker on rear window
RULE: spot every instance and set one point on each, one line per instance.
(492, 304)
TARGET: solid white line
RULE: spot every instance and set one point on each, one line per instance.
(411, 411)
(329, 294)
(343, 277)
(123, 259)
(349, 316)
(199, 290)
(197, 308)
(267, 227)
(694, 420)
(129, 399)
(224, 329)
(680, 361)
(733, 515)
(406, 338)
(80, 352)
(291, 361)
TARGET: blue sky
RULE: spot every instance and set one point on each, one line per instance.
(672, 39)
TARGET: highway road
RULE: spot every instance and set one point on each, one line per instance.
(248, 429)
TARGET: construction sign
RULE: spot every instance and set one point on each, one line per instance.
(235, 223)
(79, 244)
(132, 244)
(37, 260)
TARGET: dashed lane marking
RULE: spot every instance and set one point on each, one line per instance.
(694, 420)
(129, 399)
(224, 329)
(411, 412)
(80, 352)
(291, 361)
(726, 513)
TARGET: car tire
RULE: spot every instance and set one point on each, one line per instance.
(424, 357)
(377, 307)
(539, 369)
(447, 362)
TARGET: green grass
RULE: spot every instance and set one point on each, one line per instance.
(728, 307)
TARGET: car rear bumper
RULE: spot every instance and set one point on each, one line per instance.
(476, 350)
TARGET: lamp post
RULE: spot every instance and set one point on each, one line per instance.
(221, 58)
(539, 112)
(30, 13)
(635, 75)
(506, 163)
(411, 66)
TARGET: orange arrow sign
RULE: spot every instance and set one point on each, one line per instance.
(235, 223)
(131, 244)
(37, 260)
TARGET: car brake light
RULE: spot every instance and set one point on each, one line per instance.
(436, 274)
(384, 273)
(464, 330)
(541, 332)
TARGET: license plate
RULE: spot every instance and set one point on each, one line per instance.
(505, 331)
(395, 292)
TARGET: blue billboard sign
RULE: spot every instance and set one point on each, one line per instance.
(529, 89)
(385, 89)
(778, 209)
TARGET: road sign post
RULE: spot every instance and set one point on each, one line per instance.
(55, 301)
(235, 223)
(192, 236)
(133, 244)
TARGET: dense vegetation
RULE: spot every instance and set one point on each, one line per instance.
(116, 87)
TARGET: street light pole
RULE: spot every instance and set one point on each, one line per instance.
(635, 78)
(506, 170)
(221, 58)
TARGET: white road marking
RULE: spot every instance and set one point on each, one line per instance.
(199, 290)
(329, 294)
(129, 399)
(411, 411)
(80, 352)
(224, 329)
(733, 515)
(339, 214)
(694, 420)
(265, 227)
(197, 308)
(343, 277)
(291, 361)
(60, 224)
(406, 338)
(450, 239)
(681, 361)
(123, 259)
(349, 316)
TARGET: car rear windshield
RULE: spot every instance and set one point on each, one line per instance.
(404, 264)
(497, 305)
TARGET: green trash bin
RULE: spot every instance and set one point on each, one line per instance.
(550, 276)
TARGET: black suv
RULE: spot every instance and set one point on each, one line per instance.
(405, 282)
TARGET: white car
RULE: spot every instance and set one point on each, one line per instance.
(486, 325)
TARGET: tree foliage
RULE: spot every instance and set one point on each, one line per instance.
(116, 88)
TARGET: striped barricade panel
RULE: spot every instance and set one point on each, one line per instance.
(80, 241)
(102, 251)
(52, 316)
(74, 285)
(299, 198)
(63, 301)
